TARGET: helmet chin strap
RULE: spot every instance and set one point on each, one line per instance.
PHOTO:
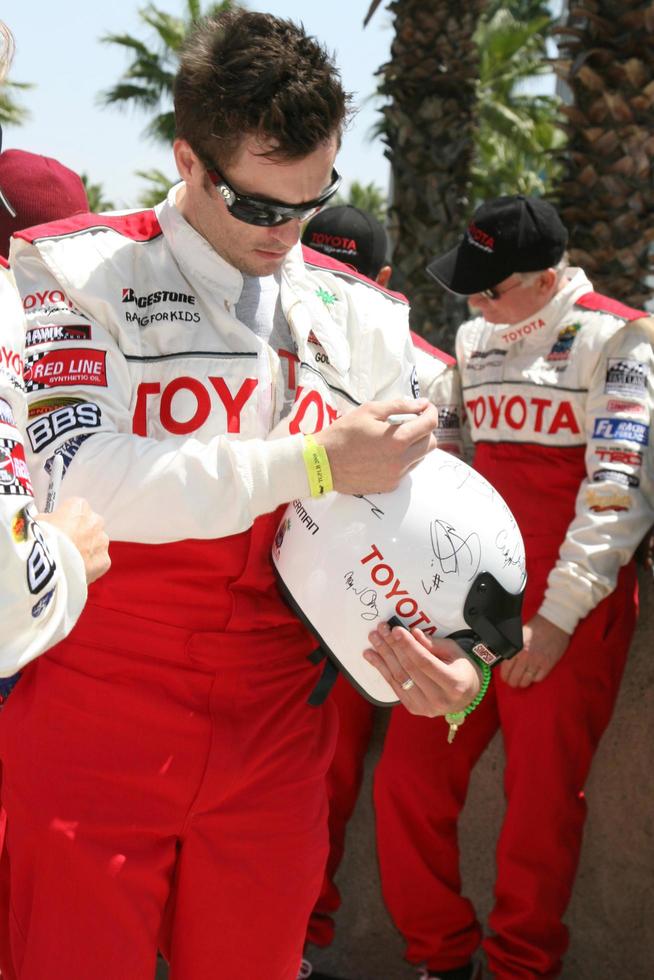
(3, 198)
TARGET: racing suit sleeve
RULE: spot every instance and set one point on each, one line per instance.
(612, 511)
(43, 579)
(147, 490)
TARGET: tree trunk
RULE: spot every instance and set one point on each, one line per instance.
(428, 127)
(606, 198)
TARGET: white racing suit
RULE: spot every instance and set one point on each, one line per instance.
(183, 783)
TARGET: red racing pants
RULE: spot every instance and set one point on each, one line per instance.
(164, 788)
(343, 783)
(550, 730)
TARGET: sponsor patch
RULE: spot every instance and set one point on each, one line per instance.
(616, 476)
(607, 496)
(326, 296)
(448, 417)
(618, 454)
(517, 333)
(622, 430)
(563, 344)
(39, 608)
(58, 333)
(47, 302)
(479, 359)
(47, 428)
(11, 361)
(533, 414)
(61, 368)
(629, 408)
(6, 414)
(20, 526)
(14, 475)
(40, 564)
(51, 404)
(67, 451)
(159, 296)
(625, 376)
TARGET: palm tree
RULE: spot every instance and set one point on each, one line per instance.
(518, 131)
(606, 196)
(428, 124)
(159, 183)
(147, 83)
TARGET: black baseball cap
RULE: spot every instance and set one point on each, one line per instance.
(350, 235)
(506, 235)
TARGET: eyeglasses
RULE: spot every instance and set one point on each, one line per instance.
(494, 292)
(265, 211)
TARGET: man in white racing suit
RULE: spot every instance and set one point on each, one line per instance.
(557, 387)
(163, 772)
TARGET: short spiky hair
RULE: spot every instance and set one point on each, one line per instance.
(245, 74)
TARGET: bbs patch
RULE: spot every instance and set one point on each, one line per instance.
(47, 428)
(40, 564)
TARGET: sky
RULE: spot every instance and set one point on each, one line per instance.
(58, 50)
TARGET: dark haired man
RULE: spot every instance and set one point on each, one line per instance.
(557, 384)
(162, 771)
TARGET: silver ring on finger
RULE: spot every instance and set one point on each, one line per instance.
(408, 684)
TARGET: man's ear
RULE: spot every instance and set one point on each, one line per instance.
(187, 160)
(384, 275)
(547, 280)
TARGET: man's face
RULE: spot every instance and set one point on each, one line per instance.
(252, 249)
(515, 300)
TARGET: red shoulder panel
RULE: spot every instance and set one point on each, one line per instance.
(428, 348)
(603, 304)
(312, 257)
(140, 226)
(3, 262)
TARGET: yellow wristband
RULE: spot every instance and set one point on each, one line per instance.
(317, 467)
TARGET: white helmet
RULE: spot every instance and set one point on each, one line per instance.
(442, 552)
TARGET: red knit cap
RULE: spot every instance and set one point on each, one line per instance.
(39, 189)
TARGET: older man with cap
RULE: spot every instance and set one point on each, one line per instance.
(558, 397)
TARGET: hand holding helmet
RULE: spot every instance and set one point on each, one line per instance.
(429, 676)
(442, 552)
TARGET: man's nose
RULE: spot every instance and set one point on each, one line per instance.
(288, 233)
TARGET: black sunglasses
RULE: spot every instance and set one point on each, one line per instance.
(264, 211)
(3, 199)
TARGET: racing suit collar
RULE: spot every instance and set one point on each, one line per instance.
(549, 316)
(193, 253)
(301, 305)
(311, 309)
